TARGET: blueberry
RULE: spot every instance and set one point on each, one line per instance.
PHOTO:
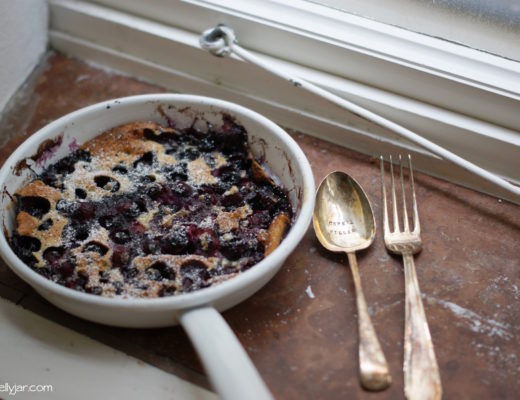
(146, 159)
(228, 174)
(181, 189)
(51, 179)
(168, 198)
(177, 242)
(129, 272)
(45, 225)
(34, 205)
(80, 193)
(53, 176)
(282, 203)
(24, 246)
(120, 169)
(120, 256)
(147, 179)
(128, 208)
(172, 150)
(82, 232)
(104, 277)
(209, 199)
(75, 233)
(232, 200)
(153, 274)
(178, 171)
(81, 155)
(84, 212)
(66, 268)
(151, 246)
(207, 241)
(65, 166)
(165, 271)
(107, 183)
(120, 237)
(153, 190)
(53, 254)
(80, 282)
(194, 275)
(191, 137)
(237, 247)
(232, 178)
(97, 290)
(141, 203)
(221, 187)
(233, 137)
(239, 161)
(207, 143)
(190, 153)
(167, 291)
(29, 243)
(118, 286)
(95, 247)
(108, 221)
(149, 133)
(63, 206)
(162, 137)
(264, 198)
(260, 219)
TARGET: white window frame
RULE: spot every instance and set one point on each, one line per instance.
(487, 25)
(458, 97)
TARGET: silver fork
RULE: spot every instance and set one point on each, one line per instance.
(421, 373)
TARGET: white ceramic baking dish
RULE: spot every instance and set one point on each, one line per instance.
(227, 364)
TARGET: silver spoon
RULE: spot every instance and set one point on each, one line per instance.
(343, 221)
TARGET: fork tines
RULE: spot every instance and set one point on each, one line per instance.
(395, 219)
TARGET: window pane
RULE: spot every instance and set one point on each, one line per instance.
(489, 25)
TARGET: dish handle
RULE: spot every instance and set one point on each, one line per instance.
(227, 364)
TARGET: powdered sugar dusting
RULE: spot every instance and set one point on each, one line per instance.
(477, 323)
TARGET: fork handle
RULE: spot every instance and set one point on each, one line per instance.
(421, 373)
(373, 369)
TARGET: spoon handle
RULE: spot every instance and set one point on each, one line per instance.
(373, 368)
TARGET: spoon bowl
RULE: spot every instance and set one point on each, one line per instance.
(344, 222)
(343, 218)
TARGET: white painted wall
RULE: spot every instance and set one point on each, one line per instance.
(23, 39)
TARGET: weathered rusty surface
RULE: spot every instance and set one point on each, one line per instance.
(305, 347)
